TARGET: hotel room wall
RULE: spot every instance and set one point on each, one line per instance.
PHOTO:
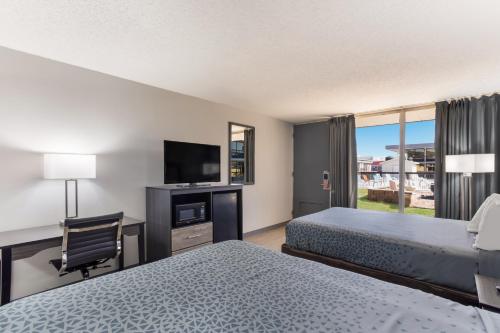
(47, 106)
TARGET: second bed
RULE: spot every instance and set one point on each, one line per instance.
(432, 254)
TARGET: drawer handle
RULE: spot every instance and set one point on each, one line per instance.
(193, 236)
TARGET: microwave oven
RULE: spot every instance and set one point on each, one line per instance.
(190, 213)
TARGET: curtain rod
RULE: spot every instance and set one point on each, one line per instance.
(341, 115)
(398, 109)
(324, 118)
(374, 113)
(416, 107)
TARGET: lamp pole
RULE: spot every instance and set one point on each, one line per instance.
(66, 183)
(466, 185)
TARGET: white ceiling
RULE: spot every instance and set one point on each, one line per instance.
(294, 60)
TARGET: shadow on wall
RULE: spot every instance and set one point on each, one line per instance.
(122, 175)
(23, 193)
(27, 200)
(35, 274)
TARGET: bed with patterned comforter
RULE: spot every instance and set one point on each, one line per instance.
(237, 287)
(429, 249)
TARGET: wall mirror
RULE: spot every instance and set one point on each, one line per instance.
(241, 154)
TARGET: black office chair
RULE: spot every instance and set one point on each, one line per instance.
(89, 242)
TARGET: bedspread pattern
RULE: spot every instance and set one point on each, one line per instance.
(429, 249)
(238, 287)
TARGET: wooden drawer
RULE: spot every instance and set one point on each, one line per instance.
(190, 248)
(191, 236)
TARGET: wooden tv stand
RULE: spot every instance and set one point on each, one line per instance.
(224, 211)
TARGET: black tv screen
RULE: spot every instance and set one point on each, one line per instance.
(191, 162)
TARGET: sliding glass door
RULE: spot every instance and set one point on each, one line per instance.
(392, 178)
(420, 165)
(378, 167)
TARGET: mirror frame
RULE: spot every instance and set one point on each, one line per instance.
(229, 180)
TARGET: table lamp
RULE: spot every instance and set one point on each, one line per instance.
(69, 167)
(467, 164)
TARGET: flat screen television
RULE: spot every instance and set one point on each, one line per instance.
(191, 162)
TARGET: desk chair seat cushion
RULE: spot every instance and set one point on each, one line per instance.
(84, 269)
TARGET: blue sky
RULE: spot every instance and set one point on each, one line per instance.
(371, 141)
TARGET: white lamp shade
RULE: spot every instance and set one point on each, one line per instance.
(470, 163)
(69, 166)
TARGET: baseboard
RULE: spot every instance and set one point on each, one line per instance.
(258, 231)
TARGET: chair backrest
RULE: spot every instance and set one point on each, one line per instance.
(90, 239)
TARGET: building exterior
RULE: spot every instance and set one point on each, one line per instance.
(422, 154)
(365, 163)
(392, 165)
(377, 166)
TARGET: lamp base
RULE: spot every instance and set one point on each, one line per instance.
(61, 221)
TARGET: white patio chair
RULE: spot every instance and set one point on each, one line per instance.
(378, 181)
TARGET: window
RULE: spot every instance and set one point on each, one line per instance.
(419, 180)
(241, 154)
(379, 139)
(378, 166)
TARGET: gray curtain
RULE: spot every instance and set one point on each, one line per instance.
(343, 162)
(466, 126)
(249, 146)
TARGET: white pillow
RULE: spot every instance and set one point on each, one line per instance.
(473, 225)
(489, 226)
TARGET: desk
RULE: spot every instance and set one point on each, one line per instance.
(24, 243)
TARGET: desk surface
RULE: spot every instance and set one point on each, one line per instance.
(38, 234)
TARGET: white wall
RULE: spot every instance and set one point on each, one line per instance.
(46, 106)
